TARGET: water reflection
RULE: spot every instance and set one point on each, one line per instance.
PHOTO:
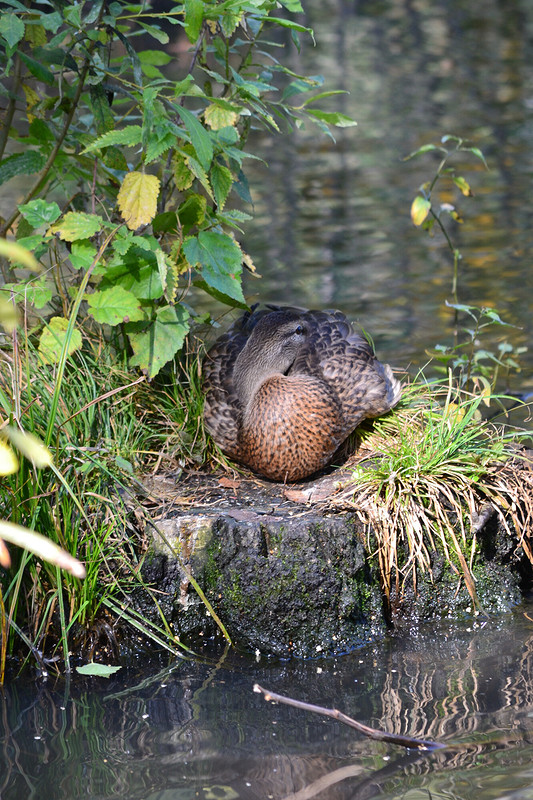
(197, 729)
(332, 221)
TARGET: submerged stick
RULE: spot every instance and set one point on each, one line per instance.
(372, 733)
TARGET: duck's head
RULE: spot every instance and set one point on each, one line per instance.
(272, 347)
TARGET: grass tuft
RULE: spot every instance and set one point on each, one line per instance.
(423, 475)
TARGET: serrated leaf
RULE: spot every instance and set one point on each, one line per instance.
(200, 139)
(103, 116)
(36, 292)
(221, 181)
(40, 131)
(97, 670)
(11, 28)
(183, 176)
(9, 462)
(76, 225)
(200, 174)
(27, 163)
(419, 209)
(192, 211)
(136, 271)
(32, 99)
(129, 137)
(217, 117)
(219, 261)
(35, 34)
(158, 342)
(82, 254)
(137, 199)
(113, 306)
(156, 147)
(39, 212)
(53, 337)
(165, 222)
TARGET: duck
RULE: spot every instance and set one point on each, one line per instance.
(285, 386)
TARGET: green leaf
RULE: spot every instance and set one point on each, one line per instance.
(53, 337)
(192, 211)
(113, 306)
(158, 58)
(463, 185)
(136, 271)
(426, 148)
(39, 212)
(200, 139)
(82, 254)
(194, 16)
(11, 28)
(294, 26)
(27, 163)
(221, 181)
(419, 209)
(76, 225)
(294, 6)
(165, 222)
(219, 260)
(332, 118)
(37, 69)
(157, 33)
(477, 153)
(321, 96)
(158, 342)
(157, 146)
(103, 116)
(130, 136)
(97, 670)
(37, 292)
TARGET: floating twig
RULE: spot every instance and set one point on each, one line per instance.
(372, 733)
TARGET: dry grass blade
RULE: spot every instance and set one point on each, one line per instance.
(423, 475)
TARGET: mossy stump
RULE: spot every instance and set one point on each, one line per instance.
(287, 578)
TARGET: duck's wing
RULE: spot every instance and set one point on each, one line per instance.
(346, 362)
(222, 409)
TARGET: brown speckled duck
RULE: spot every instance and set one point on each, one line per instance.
(285, 386)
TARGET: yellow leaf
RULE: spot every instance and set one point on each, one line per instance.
(137, 199)
(420, 209)
(8, 460)
(30, 446)
(217, 117)
(41, 546)
(15, 252)
(32, 98)
(8, 315)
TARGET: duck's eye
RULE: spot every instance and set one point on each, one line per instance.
(299, 330)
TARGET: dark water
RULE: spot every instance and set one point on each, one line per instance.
(196, 730)
(332, 225)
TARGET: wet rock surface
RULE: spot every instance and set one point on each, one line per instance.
(288, 577)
